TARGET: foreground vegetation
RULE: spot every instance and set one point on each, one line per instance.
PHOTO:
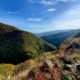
(63, 64)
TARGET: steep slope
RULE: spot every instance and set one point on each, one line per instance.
(57, 39)
(17, 45)
(7, 28)
(77, 35)
(71, 45)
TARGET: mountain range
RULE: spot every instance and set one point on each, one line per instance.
(24, 55)
(56, 38)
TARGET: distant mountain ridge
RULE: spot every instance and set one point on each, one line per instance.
(57, 39)
(17, 45)
(50, 33)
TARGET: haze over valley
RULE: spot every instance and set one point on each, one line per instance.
(40, 40)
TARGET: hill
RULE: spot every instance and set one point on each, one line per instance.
(17, 45)
(71, 45)
(57, 39)
(7, 28)
(77, 35)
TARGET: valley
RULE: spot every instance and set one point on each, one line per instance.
(39, 39)
(24, 56)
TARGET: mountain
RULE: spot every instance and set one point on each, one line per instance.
(7, 28)
(57, 39)
(50, 33)
(71, 45)
(17, 45)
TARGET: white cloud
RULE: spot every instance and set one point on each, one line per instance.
(53, 2)
(68, 20)
(47, 2)
(34, 19)
(62, 0)
(68, 24)
(51, 9)
(72, 14)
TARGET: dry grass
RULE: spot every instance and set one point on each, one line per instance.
(6, 69)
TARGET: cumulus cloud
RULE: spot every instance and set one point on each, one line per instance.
(34, 19)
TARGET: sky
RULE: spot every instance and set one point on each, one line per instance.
(41, 15)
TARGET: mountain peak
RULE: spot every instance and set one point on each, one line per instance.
(6, 28)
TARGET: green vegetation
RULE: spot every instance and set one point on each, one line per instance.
(71, 43)
(6, 69)
(30, 53)
(67, 76)
(17, 46)
(6, 28)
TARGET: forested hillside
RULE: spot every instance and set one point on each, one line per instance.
(17, 45)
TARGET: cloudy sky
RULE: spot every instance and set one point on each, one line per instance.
(41, 15)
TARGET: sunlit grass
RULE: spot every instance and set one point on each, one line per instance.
(6, 69)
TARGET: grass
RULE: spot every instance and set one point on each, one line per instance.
(21, 70)
(6, 69)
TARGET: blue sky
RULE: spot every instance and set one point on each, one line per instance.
(41, 15)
